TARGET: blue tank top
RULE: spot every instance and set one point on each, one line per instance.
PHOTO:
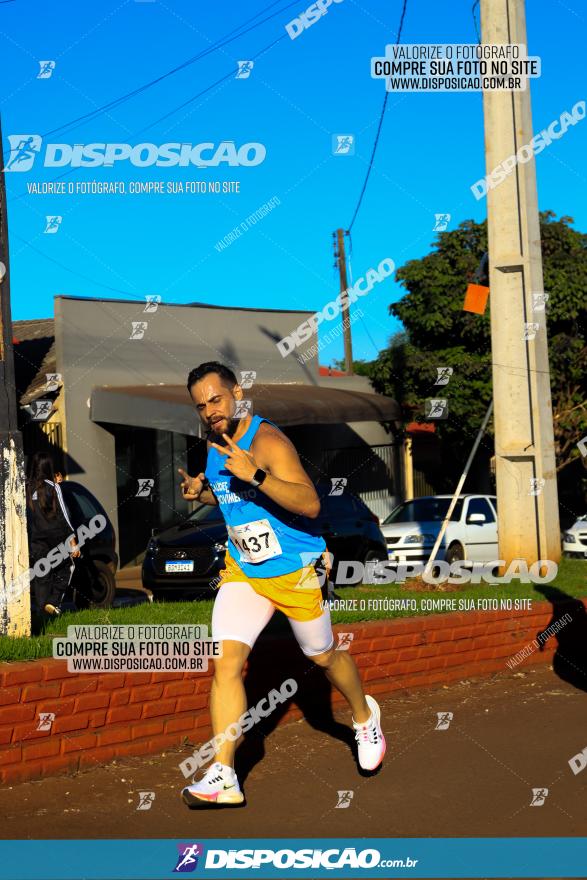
(265, 539)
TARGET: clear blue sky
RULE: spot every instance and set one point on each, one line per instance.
(299, 94)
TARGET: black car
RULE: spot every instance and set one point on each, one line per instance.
(94, 580)
(188, 556)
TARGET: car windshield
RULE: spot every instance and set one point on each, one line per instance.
(204, 511)
(424, 510)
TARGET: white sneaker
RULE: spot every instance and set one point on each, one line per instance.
(370, 739)
(219, 785)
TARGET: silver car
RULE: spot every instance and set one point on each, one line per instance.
(412, 528)
(575, 539)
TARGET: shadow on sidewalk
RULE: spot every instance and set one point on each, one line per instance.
(570, 658)
(270, 664)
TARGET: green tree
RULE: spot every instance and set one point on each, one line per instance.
(438, 333)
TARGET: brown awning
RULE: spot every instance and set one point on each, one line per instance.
(169, 407)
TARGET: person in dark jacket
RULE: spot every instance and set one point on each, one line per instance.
(48, 526)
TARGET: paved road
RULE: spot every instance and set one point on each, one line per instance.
(509, 734)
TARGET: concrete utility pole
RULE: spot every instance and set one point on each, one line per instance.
(15, 607)
(341, 260)
(524, 439)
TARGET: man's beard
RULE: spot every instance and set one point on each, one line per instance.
(230, 430)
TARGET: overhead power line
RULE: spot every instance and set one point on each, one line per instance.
(232, 35)
(368, 174)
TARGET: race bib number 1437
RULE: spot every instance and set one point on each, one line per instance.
(256, 541)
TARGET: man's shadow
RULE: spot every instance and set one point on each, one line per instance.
(273, 660)
(569, 615)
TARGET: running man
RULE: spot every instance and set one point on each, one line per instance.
(254, 474)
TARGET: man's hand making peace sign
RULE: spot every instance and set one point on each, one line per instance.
(238, 461)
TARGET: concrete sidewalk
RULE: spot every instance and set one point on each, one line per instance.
(509, 735)
(129, 577)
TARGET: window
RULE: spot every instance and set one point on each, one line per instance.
(86, 506)
(205, 512)
(425, 510)
(480, 505)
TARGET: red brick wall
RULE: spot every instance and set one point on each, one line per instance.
(101, 717)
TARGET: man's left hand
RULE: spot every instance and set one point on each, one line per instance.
(238, 461)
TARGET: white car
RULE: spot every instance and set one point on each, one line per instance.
(575, 539)
(412, 528)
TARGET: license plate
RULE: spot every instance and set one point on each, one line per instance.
(179, 566)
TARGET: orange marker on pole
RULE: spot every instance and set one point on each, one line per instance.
(476, 299)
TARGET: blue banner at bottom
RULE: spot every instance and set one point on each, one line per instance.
(540, 857)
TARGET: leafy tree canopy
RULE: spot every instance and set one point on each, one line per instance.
(438, 333)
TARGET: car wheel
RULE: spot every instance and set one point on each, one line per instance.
(103, 586)
(455, 553)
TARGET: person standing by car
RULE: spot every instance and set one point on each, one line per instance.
(48, 525)
(267, 499)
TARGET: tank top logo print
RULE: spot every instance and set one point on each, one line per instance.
(225, 495)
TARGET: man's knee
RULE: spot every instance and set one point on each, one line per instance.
(325, 659)
(230, 665)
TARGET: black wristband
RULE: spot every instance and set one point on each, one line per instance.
(258, 477)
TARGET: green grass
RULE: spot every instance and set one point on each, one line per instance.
(570, 581)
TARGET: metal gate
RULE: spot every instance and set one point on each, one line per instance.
(370, 474)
